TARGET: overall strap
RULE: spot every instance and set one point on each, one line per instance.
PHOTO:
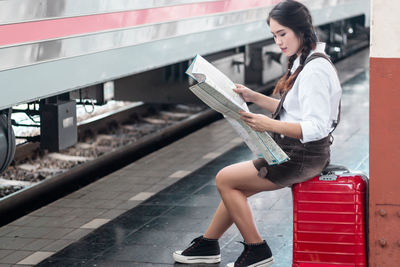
(318, 55)
(280, 105)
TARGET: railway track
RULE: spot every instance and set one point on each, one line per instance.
(97, 136)
(106, 143)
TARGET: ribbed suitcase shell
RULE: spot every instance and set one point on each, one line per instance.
(329, 221)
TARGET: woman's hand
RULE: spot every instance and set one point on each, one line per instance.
(265, 102)
(258, 122)
(262, 123)
(247, 94)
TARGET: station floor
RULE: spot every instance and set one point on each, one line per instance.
(140, 214)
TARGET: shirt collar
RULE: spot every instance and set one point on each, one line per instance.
(320, 48)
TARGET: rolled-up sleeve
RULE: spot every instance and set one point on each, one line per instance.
(315, 106)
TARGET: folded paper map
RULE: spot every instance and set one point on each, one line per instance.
(216, 90)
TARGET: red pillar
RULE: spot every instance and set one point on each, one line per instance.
(384, 188)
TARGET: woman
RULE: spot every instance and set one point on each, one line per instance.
(301, 126)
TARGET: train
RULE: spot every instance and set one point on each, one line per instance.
(57, 53)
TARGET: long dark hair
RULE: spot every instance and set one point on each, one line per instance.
(297, 17)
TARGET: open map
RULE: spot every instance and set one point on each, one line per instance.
(215, 89)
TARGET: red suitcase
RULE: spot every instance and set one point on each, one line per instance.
(329, 215)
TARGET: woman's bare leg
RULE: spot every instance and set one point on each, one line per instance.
(219, 223)
(235, 183)
(221, 220)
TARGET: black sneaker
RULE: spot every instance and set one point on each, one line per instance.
(201, 250)
(254, 255)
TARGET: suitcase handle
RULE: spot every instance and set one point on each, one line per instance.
(334, 169)
(328, 177)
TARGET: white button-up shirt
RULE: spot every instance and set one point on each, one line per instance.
(314, 98)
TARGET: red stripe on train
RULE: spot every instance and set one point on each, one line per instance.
(57, 28)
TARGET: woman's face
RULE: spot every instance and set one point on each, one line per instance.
(285, 38)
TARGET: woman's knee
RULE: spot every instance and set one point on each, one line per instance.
(222, 179)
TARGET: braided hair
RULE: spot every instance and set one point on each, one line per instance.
(297, 17)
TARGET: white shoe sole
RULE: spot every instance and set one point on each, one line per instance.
(264, 263)
(178, 257)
